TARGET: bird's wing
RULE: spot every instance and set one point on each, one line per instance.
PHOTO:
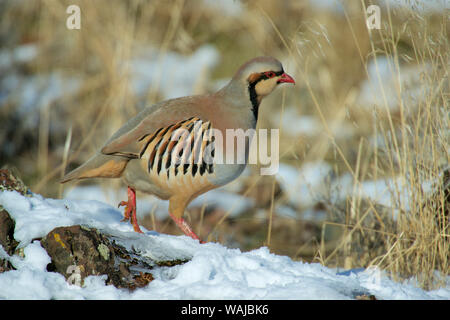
(129, 139)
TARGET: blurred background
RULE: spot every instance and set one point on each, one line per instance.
(364, 134)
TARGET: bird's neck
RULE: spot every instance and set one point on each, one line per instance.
(242, 97)
(254, 99)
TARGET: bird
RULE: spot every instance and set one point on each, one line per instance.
(143, 150)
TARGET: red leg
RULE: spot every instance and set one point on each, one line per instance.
(183, 225)
(130, 209)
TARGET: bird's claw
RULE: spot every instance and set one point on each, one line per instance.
(127, 211)
(122, 203)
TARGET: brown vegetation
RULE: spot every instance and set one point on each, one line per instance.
(370, 125)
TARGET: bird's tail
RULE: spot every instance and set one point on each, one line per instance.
(99, 166)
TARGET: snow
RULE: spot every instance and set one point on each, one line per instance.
(329, 5)
(212, 272)
(389, 192)
(302, 185)
(421, 6)
(174, 74)
(231, 8)
(385, 79)
(49, 214)
(315, 181)
(35, 92)
(295, 125)
(21, 54)
(31, 92)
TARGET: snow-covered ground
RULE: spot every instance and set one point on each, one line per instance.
(213, 271)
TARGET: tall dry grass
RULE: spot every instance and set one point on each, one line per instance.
(329, 54)
(412, 237)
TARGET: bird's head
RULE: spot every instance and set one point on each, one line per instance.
(263, 74)
(257, 78)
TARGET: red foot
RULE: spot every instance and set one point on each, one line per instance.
(183, 225)
(130, 209)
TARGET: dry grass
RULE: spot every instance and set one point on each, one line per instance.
(330, 56)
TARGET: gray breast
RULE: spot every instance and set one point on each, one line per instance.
(225, 173)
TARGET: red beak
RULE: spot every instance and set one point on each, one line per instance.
(286, 78)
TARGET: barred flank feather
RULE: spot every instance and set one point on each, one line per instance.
(183, 144)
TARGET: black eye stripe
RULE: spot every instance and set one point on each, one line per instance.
(264, 75)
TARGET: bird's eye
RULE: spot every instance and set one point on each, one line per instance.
(270, 74)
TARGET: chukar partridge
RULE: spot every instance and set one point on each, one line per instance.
(143, 150)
